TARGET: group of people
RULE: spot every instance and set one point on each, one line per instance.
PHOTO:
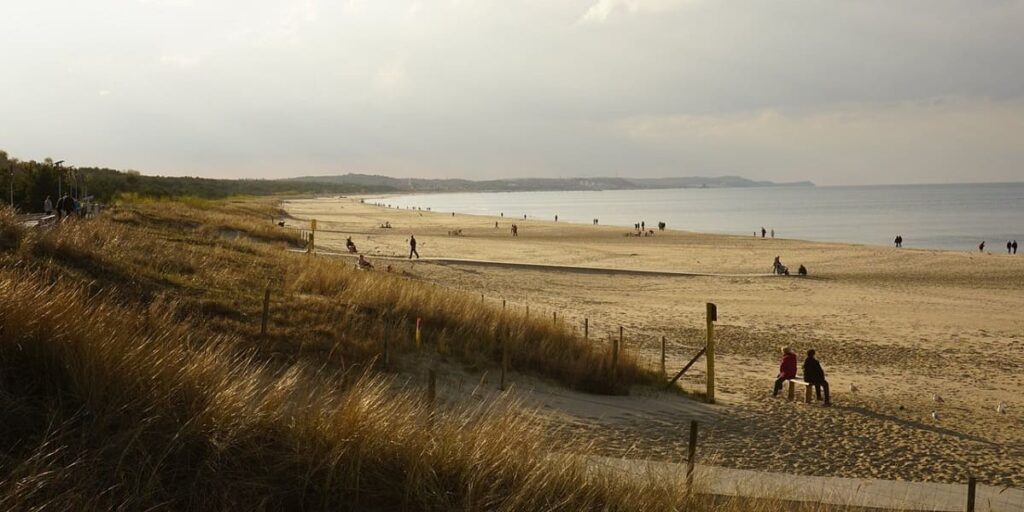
(898, 241)
(364, 264)
(764, 232)
(66, 207)
(814, 374)
(1011, 247)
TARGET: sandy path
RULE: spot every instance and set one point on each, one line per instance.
(901, 324)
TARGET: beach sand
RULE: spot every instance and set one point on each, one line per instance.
(901, 324)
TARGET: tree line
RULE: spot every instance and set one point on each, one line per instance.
(33, 181)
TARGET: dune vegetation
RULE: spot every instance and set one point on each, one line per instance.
(133, 376)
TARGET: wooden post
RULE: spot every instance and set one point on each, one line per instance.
(431, 387)
(615, 359)
(691, 455)
(971, 484)
(504, 360)
(419, 332)
(266, 311)
(808, 398)
(663, 372)
(527, 311)
(712, 316)
(503, 304)
(792, 388)
(586, 328)
(621, 345)
(312, 237)
(554, 318)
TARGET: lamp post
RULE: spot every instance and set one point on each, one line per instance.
(58, 165)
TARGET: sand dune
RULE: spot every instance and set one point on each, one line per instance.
(900, 324)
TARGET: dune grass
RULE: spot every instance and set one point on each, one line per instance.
(132, 377)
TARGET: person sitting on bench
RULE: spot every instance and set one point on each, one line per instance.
(815, 375)
(787, 369)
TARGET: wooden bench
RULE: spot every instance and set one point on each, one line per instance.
(791, 391)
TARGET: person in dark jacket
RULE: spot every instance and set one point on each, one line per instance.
(787, 369)
(815, 375)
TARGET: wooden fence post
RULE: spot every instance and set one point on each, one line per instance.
(663, 372)
(621, 342)
(504, 359)
(266, 311)
(691, 452)
(971, 485)
(527, 311)
(586, 328)
(503, 304)
(431, 390)
(312, 237)
(712, 316)
(554, 318)
(615, 359)
(419, 332)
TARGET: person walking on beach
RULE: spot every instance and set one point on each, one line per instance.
(556, 218)
(1015, 247)
(773, 232)
(48, 206)
(412, 247)
(1009, 247)
(787, 369)
(515, 230)
(643, 226)
(899, 241)
(981, 246)
(815, 375)
(763, 232)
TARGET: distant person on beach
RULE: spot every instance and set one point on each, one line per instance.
(899, 241)
(350, 245)
(556, 218)
(981, 246)
(763, 232)
(412, 247)
(1009, 247)
(515, 230)
(495, 224)
(779, 268)
(787, 369)
(48, 206)
(815, 375)
(364, 264)
(1015, 247)
(643, 226)
(802, 270)
(773, 232)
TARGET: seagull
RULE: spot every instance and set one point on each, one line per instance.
(1001, 408)
(853, 388)
(935, 416)
(937, 398)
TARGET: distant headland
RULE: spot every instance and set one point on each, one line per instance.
(539, 184)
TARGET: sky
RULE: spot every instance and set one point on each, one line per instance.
(837, 92)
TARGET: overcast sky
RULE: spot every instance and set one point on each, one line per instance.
(838, 92)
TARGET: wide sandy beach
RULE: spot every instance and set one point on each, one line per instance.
(904, 326)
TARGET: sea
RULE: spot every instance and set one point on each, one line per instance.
(948, 217)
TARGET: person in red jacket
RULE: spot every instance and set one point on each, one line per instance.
(787, 369)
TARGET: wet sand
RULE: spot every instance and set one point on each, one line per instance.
(900, 324)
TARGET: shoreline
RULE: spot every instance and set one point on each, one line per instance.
(627, 227)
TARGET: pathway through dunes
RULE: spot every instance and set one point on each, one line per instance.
(900, 325)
